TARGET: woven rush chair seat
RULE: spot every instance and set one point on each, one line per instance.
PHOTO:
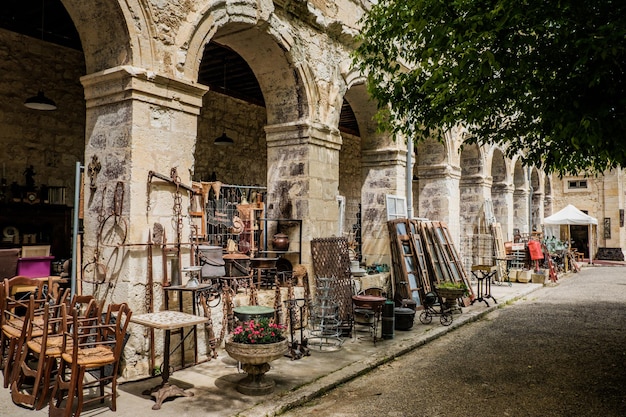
(54, 344)
(14, 326)
(91, 357)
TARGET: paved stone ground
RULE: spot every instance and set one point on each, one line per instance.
(562, 352)
(213, 383)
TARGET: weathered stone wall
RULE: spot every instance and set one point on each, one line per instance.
(51, 141)
(244, 162)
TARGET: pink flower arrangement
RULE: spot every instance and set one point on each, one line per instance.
(260, 331)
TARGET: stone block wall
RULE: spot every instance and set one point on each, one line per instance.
(244, 162)
(51, 141)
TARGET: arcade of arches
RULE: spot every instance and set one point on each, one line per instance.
(151, 86)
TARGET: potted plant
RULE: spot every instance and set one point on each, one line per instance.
(256, 343)
(452, 291)
(455, 287)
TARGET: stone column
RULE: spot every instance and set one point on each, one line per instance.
(548, 206)
(384, 173)
(303, 179)
(474, 190)
(439, 196)
(520, 210)
(502, 196)
(538, 210)
(137, 122)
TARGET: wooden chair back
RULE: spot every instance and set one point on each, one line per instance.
(23, 299)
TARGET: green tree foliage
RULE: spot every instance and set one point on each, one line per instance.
(541, 77)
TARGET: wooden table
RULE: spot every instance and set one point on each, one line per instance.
(168, 321)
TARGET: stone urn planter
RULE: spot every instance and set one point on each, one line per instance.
(451, 296)
(255, 361)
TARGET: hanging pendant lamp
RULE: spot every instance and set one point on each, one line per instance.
(224, 139)
(40, 101)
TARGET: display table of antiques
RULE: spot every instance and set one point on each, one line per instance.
(168, 321)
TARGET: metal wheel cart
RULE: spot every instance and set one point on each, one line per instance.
(433, 306)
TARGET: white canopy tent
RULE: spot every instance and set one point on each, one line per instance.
(570, 215)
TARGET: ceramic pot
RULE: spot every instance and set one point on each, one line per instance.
(280, 242)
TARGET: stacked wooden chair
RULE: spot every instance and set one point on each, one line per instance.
(91, 345)
(39, 354)
(21, 296)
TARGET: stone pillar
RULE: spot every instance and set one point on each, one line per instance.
(474, 190)
(383, 173)
(520, 210)
(136, 122)
(303, 179)
(548, 203)
(439, 196)
(502, 196)
(538, 210)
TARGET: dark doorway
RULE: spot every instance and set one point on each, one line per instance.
(580, 238)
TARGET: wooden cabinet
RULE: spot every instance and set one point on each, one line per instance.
(23, 224)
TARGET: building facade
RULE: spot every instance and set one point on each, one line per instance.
(135, 99)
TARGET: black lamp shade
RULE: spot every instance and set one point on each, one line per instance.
(40, 102)
(224, 140)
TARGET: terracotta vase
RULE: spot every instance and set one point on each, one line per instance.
(255, 359)
(280, 242)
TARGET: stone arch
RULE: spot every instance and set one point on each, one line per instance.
(125, 28)
(472, 160)
(352, 172)
(436, 188)
(499, 167)
(364, 111)
(371, 165)
(246, 35)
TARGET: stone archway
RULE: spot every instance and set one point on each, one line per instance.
(126, 32)
(377, 164)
